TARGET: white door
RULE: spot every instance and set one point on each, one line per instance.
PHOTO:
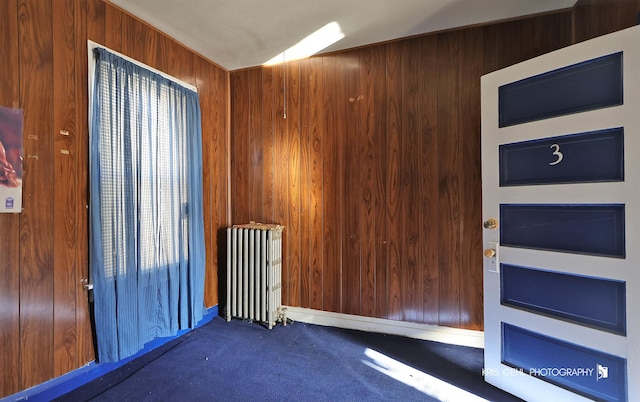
(561, 223)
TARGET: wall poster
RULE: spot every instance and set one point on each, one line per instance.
(10, 160)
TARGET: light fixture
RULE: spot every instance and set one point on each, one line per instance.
(312, 44)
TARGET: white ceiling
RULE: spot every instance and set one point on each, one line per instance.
(244, 33)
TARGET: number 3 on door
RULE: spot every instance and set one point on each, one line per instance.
(556, 153)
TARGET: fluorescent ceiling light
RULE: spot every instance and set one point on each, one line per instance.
(312, 44)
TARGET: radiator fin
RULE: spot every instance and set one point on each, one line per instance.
(254, 273)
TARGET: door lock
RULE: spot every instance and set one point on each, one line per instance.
(490, 224)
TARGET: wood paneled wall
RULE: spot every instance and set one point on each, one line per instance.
(375, 172)
(45, 328)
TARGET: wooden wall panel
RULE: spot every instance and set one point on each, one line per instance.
(95, 23)
(280, 163)
(628, 14)
(389, 209)
(240, 112)
(112, 18)
(367, 182)
(255, 149)
(218, 142)
(212, 86)
(266, 134)
(183, 63)
(201, 77)
(45, 326)
(348, 104)
(471, 66)
(221, 188)
(65, 174)
(331, 202)
(131, 36)
(376, 63)
(291, 281)
(203, 83)
(599, 17)
(508, 44)
(314, 235)
(392, 180)
(10, 373)
(429, 182)
(305, 189)
(549, 39)
(411, 164)
(36, 223)
(450, 179)
(84, 336)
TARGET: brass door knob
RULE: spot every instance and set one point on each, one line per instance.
(489, 252)
(490, 223)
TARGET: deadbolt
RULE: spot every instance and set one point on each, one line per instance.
(490, 224)
(489, 252)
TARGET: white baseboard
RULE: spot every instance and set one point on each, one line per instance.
(454, 336)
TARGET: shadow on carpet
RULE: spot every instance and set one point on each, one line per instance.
(242, 361)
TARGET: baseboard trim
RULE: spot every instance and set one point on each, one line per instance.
(454, 336)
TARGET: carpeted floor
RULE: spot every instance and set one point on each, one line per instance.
(242, 361)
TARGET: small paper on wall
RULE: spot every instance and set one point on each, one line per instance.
(10, 160)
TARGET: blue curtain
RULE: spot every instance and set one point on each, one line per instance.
(147, 251)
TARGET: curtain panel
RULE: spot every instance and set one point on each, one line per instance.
(147, 252)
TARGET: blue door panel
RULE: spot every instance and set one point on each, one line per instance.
(573, 228)
(596, 156)
(592, 84)
(594, 302)
(585, 371)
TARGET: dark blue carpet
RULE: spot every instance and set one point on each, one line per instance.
(241, 361)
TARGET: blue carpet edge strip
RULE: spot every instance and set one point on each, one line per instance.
(67, 382)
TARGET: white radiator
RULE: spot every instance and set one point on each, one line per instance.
(254, 273)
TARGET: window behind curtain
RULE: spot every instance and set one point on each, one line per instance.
(147, 235)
